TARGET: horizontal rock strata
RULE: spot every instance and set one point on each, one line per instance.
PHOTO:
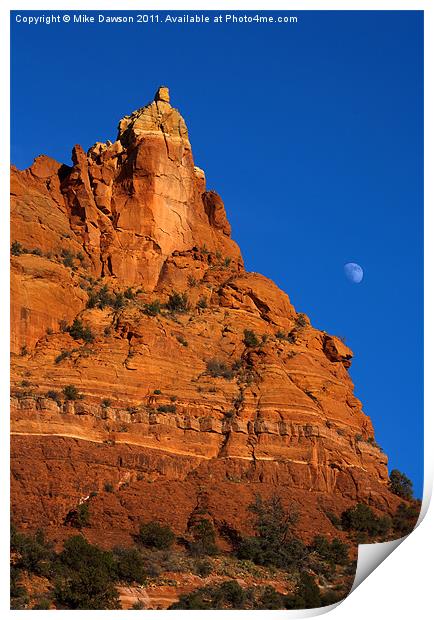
(192, 376)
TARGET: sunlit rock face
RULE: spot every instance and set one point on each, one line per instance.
(221, 391)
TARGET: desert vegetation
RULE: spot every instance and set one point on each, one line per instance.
(178, 302)
(79, 331)
(400, 484)
(250, 338)
(219, 368)
(84, 576)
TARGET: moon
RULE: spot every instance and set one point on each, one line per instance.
(354, 272)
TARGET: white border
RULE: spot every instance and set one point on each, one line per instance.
(402, 585)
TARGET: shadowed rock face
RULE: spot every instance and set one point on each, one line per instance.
(223, 394)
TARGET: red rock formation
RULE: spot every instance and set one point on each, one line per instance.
(229, 394)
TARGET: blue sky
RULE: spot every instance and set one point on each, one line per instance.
(313, 135)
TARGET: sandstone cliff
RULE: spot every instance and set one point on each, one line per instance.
(146, 358)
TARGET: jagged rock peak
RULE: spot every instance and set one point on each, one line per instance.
(154, 118)
(138, 201)
(162, 94)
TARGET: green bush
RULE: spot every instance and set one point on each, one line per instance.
(62, 356)
(103, 298)
(272, 520)
(42, 603)
(155, 535)
(335, 552)
(17, 249)
(178, 302)
(400, 485)
(292, 336)
(360, 518)
(307, 594)
(70, 392)
(320, 545)
(202, 303)
(78, 552)
(338, 551)
(273, 544)
(198, 599)
(372, 442)
(35, 553)
(204, 539)
(100, 298)
(203, 568)
(118, 301)
(232, 593)
(106, 402)
(217, 368)
(129, 565)
(68, 258)
(108, 487)
(301, 320)
(250, 338)
(167, 408)
(227, 595)
(85, 577)
(153, 308)
(81, 332)
(384, 524)
(270, 599)
(19, 598)
(405, 518)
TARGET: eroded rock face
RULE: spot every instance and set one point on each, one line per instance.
(337, 351)
(224, 389)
